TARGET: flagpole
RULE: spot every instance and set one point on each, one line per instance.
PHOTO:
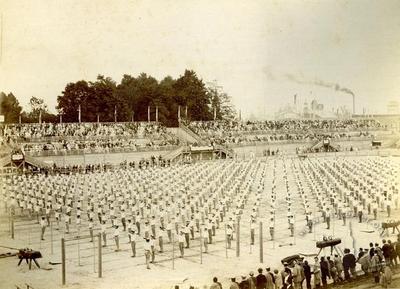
(156, 113)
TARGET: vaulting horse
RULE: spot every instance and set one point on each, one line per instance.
(29, 254)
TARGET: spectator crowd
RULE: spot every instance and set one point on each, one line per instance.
(247, 133)
(377, 262)
(88, 137)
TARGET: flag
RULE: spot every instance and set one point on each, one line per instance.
(79, 113)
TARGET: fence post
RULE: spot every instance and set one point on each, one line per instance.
(12, 227)
(173, 251)
(51, 237)
(79, 248)
(226, 245)
(100, 258)
(261, 244)
(201, 246)
(238, 238)
(63, 261)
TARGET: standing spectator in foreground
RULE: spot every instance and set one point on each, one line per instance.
(261, 280)
(234, 284)
(332, 269)
(386, 252)
(252, 280)
(375, 266)
(386, 276)
(245, 283)
(393, 254)
(349, 264)
(298, 275)
(339, 266)
(288, 281)
(317, 273)
(365, 263)
(324, 271)
(270, 284)
(307, 274)
(278, 280)
(215, 284)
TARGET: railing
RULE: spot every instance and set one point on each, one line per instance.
(228, 151)
(98, 151)
(194, 135)
(299, 131)
(303, 141)
(48, 139)
(173, 154)
(37, 163)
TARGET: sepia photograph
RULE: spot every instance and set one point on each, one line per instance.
(199, 144)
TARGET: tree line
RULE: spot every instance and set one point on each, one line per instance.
(106, 100)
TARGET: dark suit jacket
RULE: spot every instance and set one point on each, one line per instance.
(349, 261)
(261, 281)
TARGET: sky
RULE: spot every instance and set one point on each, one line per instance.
(260, 52)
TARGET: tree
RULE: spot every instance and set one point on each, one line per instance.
(75, 94)
(190, 91)
(167, 106)
(104, 99)
(135, 94)
(37, 108)
(10, 108)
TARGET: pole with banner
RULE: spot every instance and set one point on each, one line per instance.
(148, 113)
(115, 113)
(79, 113)
(179, 113)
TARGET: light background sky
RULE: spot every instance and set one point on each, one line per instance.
(249, 47)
